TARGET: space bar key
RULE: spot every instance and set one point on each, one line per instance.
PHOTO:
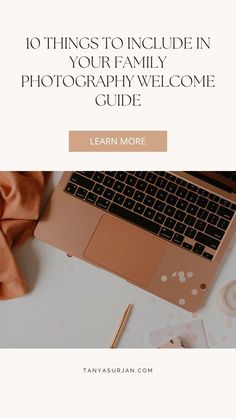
(134, 218)
(207, 240)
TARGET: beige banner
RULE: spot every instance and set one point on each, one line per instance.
(118, 141)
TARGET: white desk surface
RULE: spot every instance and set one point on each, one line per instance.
(74, 304)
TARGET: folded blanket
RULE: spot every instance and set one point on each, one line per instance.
(19, 209)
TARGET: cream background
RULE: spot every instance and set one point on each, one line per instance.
(35, 122)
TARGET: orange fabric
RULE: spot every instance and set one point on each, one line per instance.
(19, 209)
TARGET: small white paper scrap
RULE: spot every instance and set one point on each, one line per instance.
(192, 334)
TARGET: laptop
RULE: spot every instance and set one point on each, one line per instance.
(165, 232)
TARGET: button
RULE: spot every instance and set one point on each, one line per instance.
(117, 141)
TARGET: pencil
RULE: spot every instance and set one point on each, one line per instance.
(121, 326)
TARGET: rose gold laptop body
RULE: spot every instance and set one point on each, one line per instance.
(142, 258)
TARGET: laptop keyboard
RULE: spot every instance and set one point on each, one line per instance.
(161, 203)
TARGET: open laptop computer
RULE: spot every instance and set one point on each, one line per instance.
(166, 232)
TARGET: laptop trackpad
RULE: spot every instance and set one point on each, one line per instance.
(125, 250)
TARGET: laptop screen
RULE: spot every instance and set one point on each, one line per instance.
(223, 180)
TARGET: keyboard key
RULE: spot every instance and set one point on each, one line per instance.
(181, 182)
(213, 219)
(121, 176)
(151, 177)
(129, 203)
(141, 185)
(139, 208)
(134, 218)
(225, 212)
(225, 203)
(91, 197)
(169, 210)
(202, 214)
(81, 193)
(141, 175)
(98, 189)
(181, 192)
(190, 220)
(212, 206)
(190, 232)
(192, 187)
(83, 181)
(119, 199)
(207, 256)
(108, 181)
(171, 187)
(102, 203)
(149, 213)
(233, 207)
(203, 192)
(192, 209)
(223, 223)
(71, 188)
(166, 233)
(187, 246)
(191, 197)
(75, 177)
(109, 193)
(171, 199)
(170, 176)
(180, 228)
(200, 225)
(98, 176)
(160, 173)
(151, 190)
(131, 180)
(159, 205)
(179, 215)
(207, 240)
(182, 204)
(161, 182)
(178, 238)
(110, 173)
(139, 196)
(214, 232)
(214, 198)
(198, 248)
(169, 222)
(202, 202)
(149, 201)
(129, 191)
(161, 195)
(159, 218)
(87, 174)
(119, 186)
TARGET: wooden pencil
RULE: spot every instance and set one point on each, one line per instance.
(121, 326)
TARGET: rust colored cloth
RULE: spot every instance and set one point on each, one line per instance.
(20, 194)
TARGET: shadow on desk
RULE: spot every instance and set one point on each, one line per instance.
(28, 263)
